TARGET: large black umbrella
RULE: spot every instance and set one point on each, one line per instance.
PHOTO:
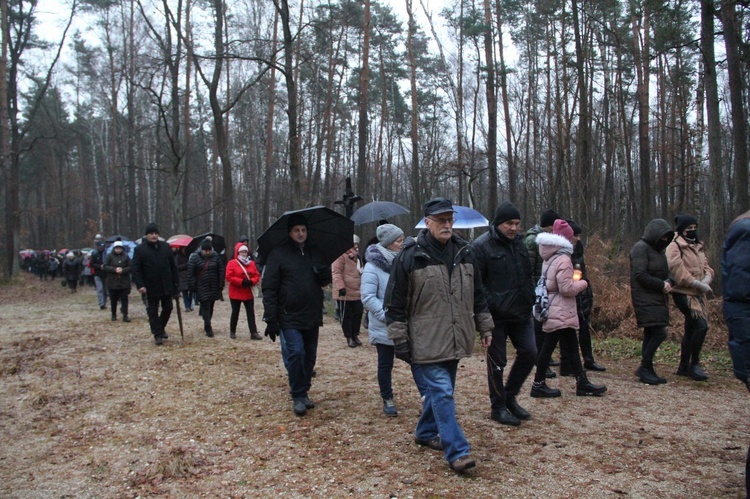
(377, 210)
(217, 242)
(331, 232)
(112, 239)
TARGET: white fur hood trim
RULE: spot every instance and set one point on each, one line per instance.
(548, 239)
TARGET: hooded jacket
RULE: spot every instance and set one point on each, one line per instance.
(347, 274)
(533, 248)
(206, 275)
(115, 280)
(561, 288)
(648, 271)
(735, 270)
(374, 283)
(505, 270)
(237, 272)
(434, 308)
(687, 263)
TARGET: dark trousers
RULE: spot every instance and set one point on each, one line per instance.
(568, 343)
(299, 349)
(351, 317)
(653, 337)
(158, 322)
(206, 311)
(521, 335)
(385, 369)
(584, 340)
(695, 332)
(249, 311)
(120, 295)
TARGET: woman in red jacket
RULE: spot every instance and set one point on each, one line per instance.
(242, 275)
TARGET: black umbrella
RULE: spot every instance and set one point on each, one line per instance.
(331, 232)
(217, 242)
(377, 210)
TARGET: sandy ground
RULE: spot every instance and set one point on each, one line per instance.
(91, 408)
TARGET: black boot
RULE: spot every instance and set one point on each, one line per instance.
(114, 317)
(549, 374)
(647, 375)
(125, 318)
(504, 416)
(590, 364)
(539, 389)
(512, 404)
(566, 370)
(696, 373)
(585, 387)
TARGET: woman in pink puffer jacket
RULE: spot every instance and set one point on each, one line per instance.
(562, 316)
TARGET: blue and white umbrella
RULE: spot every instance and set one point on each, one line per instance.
(466, 218)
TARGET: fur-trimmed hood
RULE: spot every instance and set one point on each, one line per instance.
(551, 244)
(374, 255)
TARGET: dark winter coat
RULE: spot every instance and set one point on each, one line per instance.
(206, 275)
(436, 309)
(115, 280)
(96, 262)
(585, 300)
(293, 279)
(648, 272)
(72, 269)
(505, 270)
(181, 261)
(534, 257)
(735, 270)
(153, 268)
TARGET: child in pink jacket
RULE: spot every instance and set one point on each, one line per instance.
(562, 317)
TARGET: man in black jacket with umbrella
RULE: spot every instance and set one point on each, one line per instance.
(294, 275)
(155, 275)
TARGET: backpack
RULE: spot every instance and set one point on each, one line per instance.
(542, 300)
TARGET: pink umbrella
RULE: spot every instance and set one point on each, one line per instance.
(180, 240)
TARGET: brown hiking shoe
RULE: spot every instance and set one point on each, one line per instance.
(462, 464)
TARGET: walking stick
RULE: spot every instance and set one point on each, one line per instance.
(179, 317)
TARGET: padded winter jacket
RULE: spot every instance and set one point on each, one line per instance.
(505, 270)
(533, 249)
(434, 309)
(206, 275)
(237, 272)
(374, 283)
(648, 271)
(293, 278)
(561, 288)
(347, 274)
(115, 280)
(154, 268)
(687, 263)
(735, 270)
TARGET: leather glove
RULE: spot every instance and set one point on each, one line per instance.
(272, 330)
(703, 288)
(246, 283)
(342, 292)
(403, 351)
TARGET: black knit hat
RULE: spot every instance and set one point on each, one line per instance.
(151, 228)
(548, 218)
(296, 219)
(206, 244)
(576, 228)
(244, 239)
(506, 211)
(682, 220)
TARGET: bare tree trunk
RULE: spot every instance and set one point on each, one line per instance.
(739, 125)
(716, 230)
(581, 193)
(641, 46)
(491, 107)
(414, 133)
(270, 177)
(9, 254)
(363, 178)
(512, 174)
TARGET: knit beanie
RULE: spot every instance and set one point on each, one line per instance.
(242, 248)
(682, 220)
(151, 228)
(561, 228)
(548, 217)
(576, 228)
(387, 234)
(206, 244)
(294, 220)
(506, 211)
(118, 244)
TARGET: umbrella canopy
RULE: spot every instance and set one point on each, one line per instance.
(217, 242)
(331, 232)
(466, 218)
(180, 240)
(112, 239)
(127, 246)
(377, 210)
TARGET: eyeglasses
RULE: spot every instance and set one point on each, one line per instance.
(443, 221)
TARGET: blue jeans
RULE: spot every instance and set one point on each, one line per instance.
(101, 292)
(521, 334)
(187, 298)
(385, 369)
(439, 411)
(299, 349)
